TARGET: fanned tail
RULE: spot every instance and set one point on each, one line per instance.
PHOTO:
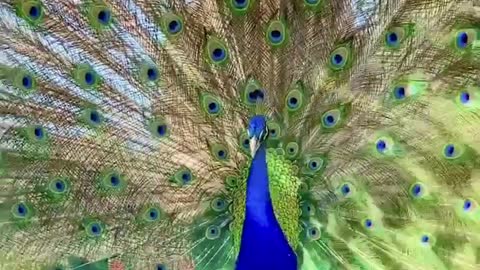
(123, 131)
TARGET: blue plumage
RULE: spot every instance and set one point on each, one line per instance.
(263, 245)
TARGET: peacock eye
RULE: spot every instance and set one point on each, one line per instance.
(407, 89)
(462, 40)
(95, 117)
(183, 177)
(394, 37)
(27, 82)
(211, 104)
(256, 95)
(231, 181)
(276, 33)
(331, 118)
(274, 131)
(38, 132)
(313, 233)
(452, 151)
(381, 146)
(152, 214)
(399, 92)
(346, 189)
(384, 145)
(314, 165)
(253, 93)
(161, 130)
(114, 180)
(152, 74)
(218, 54)
(276, 36)
(158, 128)
(172, 24)
(30, 10)
(218, 204)
(217, 51)
(464, 98)
(368, 223)
(425, 239)
(220, 152)
(148, 72)
(20, 210)
(85, 76)
(212, 232)
(91, 117)
(89, 78)
(292, 149)
(240, 4)
(244, 141)
(35, 134)
(58, 186)
(104, 16)
(339, 58)
(469, 205)
(308, 209)
(34, 12)
(23, 81)
(294, 100)
(213, 107)
(175, 26)
(161, 266)
(94, 229)
(417, 190)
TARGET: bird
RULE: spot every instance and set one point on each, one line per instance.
(239, 134)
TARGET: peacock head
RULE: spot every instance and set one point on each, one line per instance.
(257, 132)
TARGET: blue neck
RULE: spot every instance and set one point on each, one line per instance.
(263, 245)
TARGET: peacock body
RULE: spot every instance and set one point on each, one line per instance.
(239, 134)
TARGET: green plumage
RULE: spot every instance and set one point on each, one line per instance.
(124, 141)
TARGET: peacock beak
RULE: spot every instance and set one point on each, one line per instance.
(254, 145)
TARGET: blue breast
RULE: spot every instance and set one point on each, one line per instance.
(264, 246)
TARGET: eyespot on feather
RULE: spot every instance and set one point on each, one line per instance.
(86, 77)
(99, 15)
(340, 58)
(219, 152)
(172, 24)
(159, 128)
(211, 104)
(216, 51)
(277, 34)
(32, 11)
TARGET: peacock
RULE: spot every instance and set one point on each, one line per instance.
(239, 134)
